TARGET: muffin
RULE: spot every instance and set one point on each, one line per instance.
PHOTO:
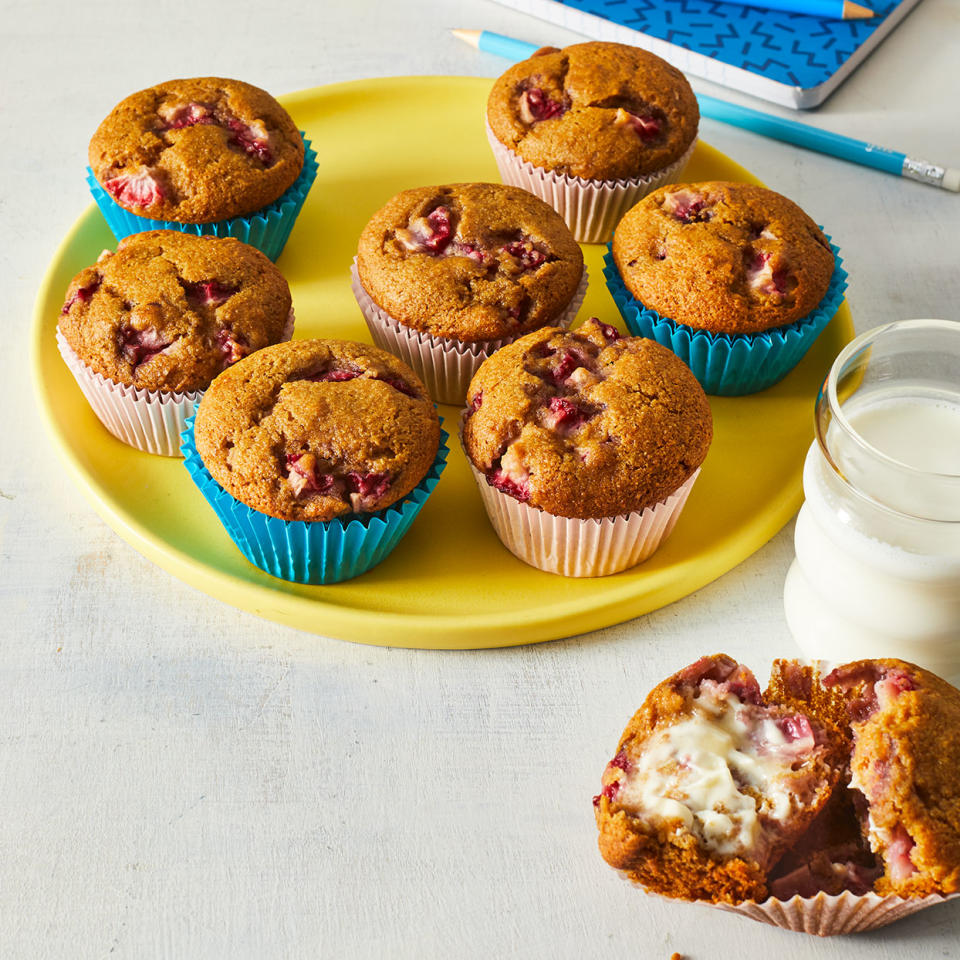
(869, 833)
(735, 278)
(147, 328)
(591, 129)
(905, 766)
(711, 784)
(584, 446)
(316, 455)
(445, 275)
(202, 155)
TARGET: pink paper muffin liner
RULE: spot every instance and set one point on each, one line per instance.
(150, 420)
(445, 365)
(591, 208)
(574, 547)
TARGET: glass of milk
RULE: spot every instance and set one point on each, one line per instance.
(877, 568)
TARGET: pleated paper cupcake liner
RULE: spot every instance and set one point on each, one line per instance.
(268, 229)
(591, 208)
(150, 420)
(823, 915)
(828, 916)
(445, 365)
(579, 548)
(726, 364)
(312, 552)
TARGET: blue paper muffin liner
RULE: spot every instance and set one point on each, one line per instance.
(267, 229)
(312, 552)
(730, 365)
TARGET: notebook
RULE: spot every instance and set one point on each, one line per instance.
(788, 58)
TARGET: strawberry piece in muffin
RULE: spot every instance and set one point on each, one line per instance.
(710, 784)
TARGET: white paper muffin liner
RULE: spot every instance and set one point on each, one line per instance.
(591, 208)
(150, 420)
(445, 365)
(829, 916)
(823, 915)
(579, 548)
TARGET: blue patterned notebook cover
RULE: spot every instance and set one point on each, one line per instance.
(790, 48)
(789, 58)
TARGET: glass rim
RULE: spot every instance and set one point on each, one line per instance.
(828, 391)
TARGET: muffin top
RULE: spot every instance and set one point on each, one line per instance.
(169, 311)
(469, 261)
(196, 150)
(586, 424)
(600, 111)
(723, 257)
(317, 429)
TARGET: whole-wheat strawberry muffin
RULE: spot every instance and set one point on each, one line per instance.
(317, 429)
(168, 311)
(584, 446)
(905, 771)
(842, 784)
(197, 150)
(731, 258)
(586, 423)
(711, 783)
(591, 129)
(469, 261)
(599, 111)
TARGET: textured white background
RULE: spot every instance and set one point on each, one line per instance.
(179, 779)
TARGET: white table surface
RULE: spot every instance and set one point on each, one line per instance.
(180, 779)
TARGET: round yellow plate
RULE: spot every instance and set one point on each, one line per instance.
(450, 583)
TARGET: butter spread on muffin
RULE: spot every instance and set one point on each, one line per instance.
(693, 803)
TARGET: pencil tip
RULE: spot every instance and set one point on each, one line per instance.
(854, 11)
(468, 36)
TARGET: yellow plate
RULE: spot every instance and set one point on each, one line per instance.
(450, 583)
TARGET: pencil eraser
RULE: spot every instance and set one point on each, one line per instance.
(951, 179)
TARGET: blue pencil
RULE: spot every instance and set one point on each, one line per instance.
(777, 128)
(830, 9)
